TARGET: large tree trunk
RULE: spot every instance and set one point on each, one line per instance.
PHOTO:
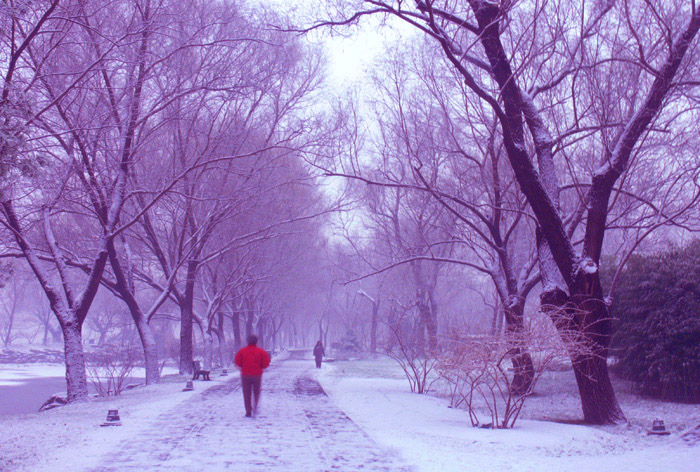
(76, 377)
(590, 351)
(186, 321)
(150, 350)
(584, 324)
(186, 342)
(598, 399)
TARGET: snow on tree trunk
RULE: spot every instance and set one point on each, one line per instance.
(76, 377)
(150, 351)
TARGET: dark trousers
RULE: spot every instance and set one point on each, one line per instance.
(250, 384)
(318, 362)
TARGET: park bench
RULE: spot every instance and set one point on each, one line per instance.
(197, 367)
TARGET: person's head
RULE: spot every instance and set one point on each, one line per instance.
(318, 343)
(252, 340)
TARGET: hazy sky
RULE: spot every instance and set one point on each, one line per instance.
(351, 51)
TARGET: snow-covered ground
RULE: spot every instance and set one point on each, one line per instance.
(432, 437)
(298, 428)
(369, 422)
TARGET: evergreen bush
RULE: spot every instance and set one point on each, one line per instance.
(657, 338)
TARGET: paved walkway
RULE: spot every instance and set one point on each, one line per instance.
(298, 428)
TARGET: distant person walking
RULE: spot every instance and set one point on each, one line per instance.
(252, 360)
(318, 354)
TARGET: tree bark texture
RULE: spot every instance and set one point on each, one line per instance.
(76, 376)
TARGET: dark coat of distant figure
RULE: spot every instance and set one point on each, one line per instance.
(318, 354)
(252, 360)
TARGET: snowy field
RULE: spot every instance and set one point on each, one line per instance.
(432, 437)
(368, 422)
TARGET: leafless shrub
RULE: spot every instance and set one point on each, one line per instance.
(475, 369)
(110, 369)
(407, 344)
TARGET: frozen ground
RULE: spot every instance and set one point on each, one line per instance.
(432, 437)
(24, 388)
(13, 374)
(298, 428)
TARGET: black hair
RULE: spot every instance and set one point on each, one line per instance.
(252, 339)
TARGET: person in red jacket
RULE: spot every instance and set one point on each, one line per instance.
(252, 360)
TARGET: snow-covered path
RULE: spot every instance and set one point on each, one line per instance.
(297, 428)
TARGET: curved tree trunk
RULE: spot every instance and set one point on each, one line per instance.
(148, 341)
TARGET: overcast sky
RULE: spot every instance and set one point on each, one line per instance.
(351, 51)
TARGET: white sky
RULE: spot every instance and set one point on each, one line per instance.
(351, 51)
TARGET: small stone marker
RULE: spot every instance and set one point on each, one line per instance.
(112, 418)
(188, 386)
(224, 373)
(659, 428)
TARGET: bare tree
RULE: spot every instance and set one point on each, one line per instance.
(498, 50)
(55, 127)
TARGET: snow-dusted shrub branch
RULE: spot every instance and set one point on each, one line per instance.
(407, 343)
(477, 373)
(110, 369)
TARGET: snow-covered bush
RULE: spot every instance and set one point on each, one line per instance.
(657, 340)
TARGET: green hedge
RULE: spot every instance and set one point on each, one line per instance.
(657, 338)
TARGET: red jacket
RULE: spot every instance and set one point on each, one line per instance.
(252, 360)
